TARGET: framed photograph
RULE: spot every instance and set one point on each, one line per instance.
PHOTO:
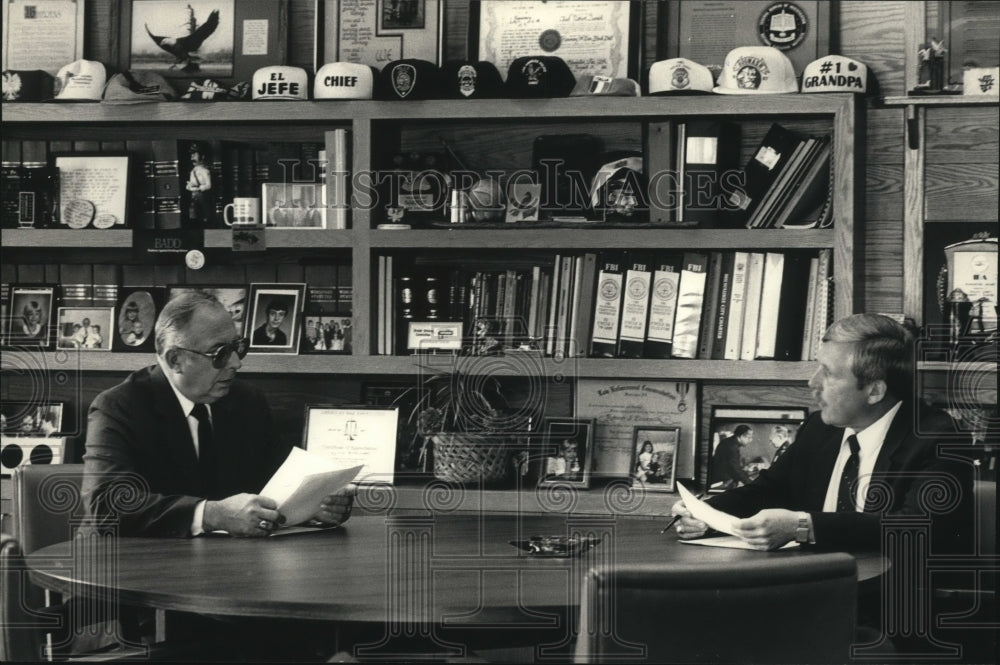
(42, 35)
(523, 201)
(30, 317)
(17, 451)
(376, 32)
(274, 317)
(137, 310)
(93, 189)
(567, 448)
(31, 418)
(592, 37)
(705, 32)
(293, 205)
(86, 328)
(352, 435)
(188, 39)
(654, 458)
(326, 333)
(233, 298)
(745, 440)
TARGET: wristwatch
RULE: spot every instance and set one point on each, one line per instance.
(802, 530)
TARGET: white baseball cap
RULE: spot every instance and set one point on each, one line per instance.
(836, 73)
(679, 76)
(756, 70)
(81, 81)
(279, 82)
(344, 80)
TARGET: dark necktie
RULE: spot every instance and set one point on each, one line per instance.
(207, 463)
(846, 502)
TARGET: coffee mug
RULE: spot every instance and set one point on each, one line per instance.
(246, 210)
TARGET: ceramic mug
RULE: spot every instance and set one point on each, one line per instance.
(246, 210)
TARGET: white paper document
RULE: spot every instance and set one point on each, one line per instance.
(731, 542)
(303, 480)
(700, 510)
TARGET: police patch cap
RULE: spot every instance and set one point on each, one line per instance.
(280, 82)
(838, 73)
(756, 70)
(409, 79)
(33, 85)
(464, 79)
(678, 76)
(598, 85)
(344, 80)
(81, 81)
(539, 76)
(138, 86)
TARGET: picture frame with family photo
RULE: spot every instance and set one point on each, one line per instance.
(745, 440)
(275, 317)
(137, 310)
(654, 458)
(18, 418)
(86, 328)
(293, 205)
(566, 452)
(29, 320)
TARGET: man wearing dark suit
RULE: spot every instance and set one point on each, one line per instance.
(727, 462)
(857, 460)
(194, 443)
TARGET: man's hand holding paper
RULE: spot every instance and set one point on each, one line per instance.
(310, 487)
(767, 530)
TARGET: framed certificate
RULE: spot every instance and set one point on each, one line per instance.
(93, 189)
(42, 35)
(592, 37)
(377, 32)
(352, 435)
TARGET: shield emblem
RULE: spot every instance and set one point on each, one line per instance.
(403, 78)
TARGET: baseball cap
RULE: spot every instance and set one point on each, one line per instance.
(539, 76)
(837, 73)
(26, 85)
(210, 90)
(138, 86)
(464, 79)
(344, 80)
(756, 70)
(598, 85)
(280, 82)
(410, 78)
(81, 81)
(679, 76)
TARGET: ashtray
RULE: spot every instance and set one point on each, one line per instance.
(555, 546)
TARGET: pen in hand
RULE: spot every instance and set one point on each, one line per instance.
(677, 517)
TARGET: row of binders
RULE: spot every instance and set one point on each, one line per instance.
(725, 305)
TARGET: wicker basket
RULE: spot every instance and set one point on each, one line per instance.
(468, 458)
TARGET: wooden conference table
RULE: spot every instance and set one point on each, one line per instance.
(446, 569)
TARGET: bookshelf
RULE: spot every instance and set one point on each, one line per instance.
(374, 124)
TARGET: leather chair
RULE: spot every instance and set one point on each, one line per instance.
(43, 514)
(769, 610)
(20, 627)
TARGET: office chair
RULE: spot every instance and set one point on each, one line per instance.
(797, 609)
(20, 628)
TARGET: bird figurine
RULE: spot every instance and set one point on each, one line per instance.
(183, 48)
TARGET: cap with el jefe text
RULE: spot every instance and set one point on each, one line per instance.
(598, 85)
(409, 79)
(464, 79)
(678, 76)
(756, 70)
(34, 85)
(280, 82)
(138, 86)
(344, 80)
(81, 81)
(837, 73)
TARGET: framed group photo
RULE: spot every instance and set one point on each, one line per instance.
(275, 317)
(87, 328)
(233, 298)
(30, 316)
(30, 418)
(326, 333)
(293, 205)
(567, 452)
(137, 310)
(654, 457)
(746, 440)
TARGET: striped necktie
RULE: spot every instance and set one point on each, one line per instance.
(846, 497)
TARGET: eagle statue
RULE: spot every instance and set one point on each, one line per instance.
(183, 48)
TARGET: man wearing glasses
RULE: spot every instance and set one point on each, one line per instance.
(187, 443)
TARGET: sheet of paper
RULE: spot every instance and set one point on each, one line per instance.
(700, 510)
(731, 542)
(302, 481)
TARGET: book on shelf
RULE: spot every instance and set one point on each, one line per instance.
(76, 282)
(752, 297)
(772, 198)
(635, 305)
(783, 301)
(660, 166)
(10, 182)
(167, 184)
(823, 308)
(809, 195)
(720, 326)
(691, 295)
(607, 305)
(321, 289)
(764, 167)
(345, 288)
(711, 150)
(337, 179)
(737, 306)
(710, 306)
(382, 305)
(142, 207)
(663, 296)
(583, 304)
(566, 281)
(770, 299)
(808, 329)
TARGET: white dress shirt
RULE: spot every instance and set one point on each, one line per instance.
(870, 441)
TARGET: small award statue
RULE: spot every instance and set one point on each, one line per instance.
(931, 70)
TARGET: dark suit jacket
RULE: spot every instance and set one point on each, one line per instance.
(727, 463)
(908, 463)
(260, 337)
(138, 427)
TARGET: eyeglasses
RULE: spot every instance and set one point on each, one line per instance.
(220, 354)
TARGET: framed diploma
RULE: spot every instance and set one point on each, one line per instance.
(378, 32)
(706, 31)
(42, 35)
(619, 406)
(93, 189)
(353, 435)
(592, 37)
